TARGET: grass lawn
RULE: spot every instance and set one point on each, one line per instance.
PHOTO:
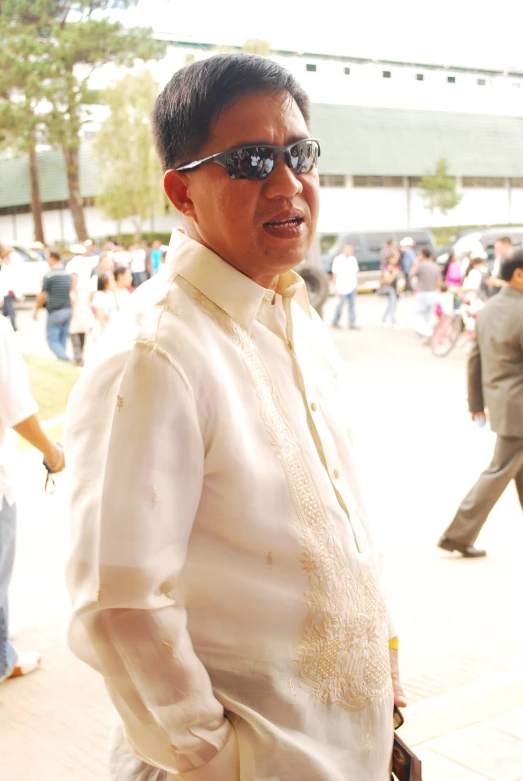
(51, 383)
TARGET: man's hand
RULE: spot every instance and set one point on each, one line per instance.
(478, 415)
(35, 314)
(399, 697)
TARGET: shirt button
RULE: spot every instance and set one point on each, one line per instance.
(289, 345)
(335, 474)
(267, 299)
(314, 406)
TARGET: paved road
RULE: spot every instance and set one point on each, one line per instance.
(460, 632)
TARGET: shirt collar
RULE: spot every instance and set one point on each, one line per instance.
(510, 292)
(236, 294)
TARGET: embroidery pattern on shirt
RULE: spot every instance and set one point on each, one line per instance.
(343, 656)
(119, 402)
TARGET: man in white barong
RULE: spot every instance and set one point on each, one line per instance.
(224, 577)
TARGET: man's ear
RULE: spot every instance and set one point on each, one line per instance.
(175, 185)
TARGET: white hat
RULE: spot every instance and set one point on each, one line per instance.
(36, 245)
(77, 249)
(407, 242)
(478, 252)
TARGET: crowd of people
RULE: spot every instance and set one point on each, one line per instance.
(82, 296)
(439, 288)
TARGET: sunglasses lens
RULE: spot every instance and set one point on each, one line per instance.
(304, 156)
(254, 162)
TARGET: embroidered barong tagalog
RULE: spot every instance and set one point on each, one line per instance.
(343, 655)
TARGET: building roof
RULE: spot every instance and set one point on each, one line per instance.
(14, 177)
(355, 140)
(400, 142)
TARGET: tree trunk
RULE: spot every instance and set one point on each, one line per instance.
(36, 202)
(138, 228)
(75, 199)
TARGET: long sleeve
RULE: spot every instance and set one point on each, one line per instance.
(475, 388)
(136, 454)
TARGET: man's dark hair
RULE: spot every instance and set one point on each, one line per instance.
(119, 270)
(195, 96)
(509, 266)
(505, 240)
(55, 255)
(103, 281)
(426, 253)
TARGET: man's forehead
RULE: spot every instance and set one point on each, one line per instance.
(261, 117)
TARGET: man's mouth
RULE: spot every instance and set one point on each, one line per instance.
(294, 221)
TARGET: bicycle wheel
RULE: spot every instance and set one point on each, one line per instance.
(446, 334)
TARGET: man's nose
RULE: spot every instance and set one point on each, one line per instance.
(282, 182)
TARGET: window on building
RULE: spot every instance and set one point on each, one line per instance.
(481, 82)
(517, 182)
(346, 71)
(311, 67)
(420, 77)
(332, 180)
(377, 181)
(6, 210)
(386, 74)
(414, 181)
(451, 79)
(483, 181)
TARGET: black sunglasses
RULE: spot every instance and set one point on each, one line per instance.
(257, 162)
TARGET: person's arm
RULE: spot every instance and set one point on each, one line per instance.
(474, 382)
(137, 479)
(414, 270)
(41, 300)
(17, 406)
(334, 273)
(31, 430)
(73, 292)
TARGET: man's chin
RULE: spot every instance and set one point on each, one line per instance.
(288, 249)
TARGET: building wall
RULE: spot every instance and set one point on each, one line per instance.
(59, 228)
(381, 208)
(341, 208)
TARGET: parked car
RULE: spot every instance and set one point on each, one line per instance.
(487, 237)
(367, 246)
(31, 269)
(315, 277)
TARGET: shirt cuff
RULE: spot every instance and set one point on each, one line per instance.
(224, 766)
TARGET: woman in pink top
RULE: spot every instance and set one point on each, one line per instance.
(453, 276)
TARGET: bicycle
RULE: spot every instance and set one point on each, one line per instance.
(450, 327)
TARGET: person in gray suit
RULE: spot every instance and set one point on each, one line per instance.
(495, 381)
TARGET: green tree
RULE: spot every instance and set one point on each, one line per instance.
(257, 46)
(22, 72)
(129, 171)
(439, 189)
(65, 42)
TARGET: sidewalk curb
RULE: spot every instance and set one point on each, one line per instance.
(470, 704)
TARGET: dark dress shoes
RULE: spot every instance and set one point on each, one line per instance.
(468, 551)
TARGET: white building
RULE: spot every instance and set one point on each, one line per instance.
(383, 125)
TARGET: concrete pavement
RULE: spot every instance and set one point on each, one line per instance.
(461, 636)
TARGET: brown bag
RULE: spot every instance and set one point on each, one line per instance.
(405, 764)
